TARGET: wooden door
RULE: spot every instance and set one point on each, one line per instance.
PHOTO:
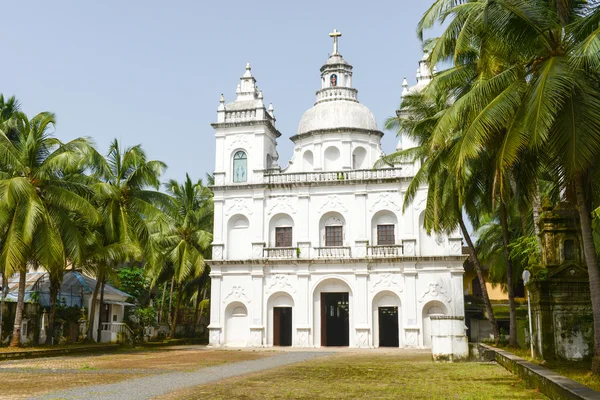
(323, 320)
(276, 326)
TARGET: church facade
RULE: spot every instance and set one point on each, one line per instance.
(319, 253)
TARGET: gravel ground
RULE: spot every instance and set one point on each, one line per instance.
(151, 386)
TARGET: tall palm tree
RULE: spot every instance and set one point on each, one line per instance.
(187, 240)
(38, 199)
(8, 109)
(545, 99)
(130, 206)
(446, 199)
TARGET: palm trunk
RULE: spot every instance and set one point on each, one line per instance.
(53, 296)
(591, 260)
(171, 301)
(202, 305)
(16, 337)
(177, 305)
(512, 340)
(198, 300)
(3, 301)
(536, 206)
(479, 270)
(101, 309)
(90, 330)
(162, 303)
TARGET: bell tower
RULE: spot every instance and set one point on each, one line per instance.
(246, 136)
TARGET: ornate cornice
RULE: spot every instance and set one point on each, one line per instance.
(336, 130)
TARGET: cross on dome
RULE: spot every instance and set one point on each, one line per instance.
(335, 35)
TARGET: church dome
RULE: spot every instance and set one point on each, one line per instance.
(330, 115)
(337, 107)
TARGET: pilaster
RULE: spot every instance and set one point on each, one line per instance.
(215, 327)
(257, 337)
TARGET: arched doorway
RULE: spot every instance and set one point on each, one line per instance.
(332, 299)
(386, 319)
(431, 308)
(280, 326)
(236, 324)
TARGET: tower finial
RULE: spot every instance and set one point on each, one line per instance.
(335, 35)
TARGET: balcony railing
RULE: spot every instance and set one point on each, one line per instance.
(281, 252)
(384, 251)
(333, 252)
(351, 175)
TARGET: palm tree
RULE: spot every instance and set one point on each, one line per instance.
(186, 242)
(8, 109)
(544, 99)
(130, 207)
(38, 199)
(446, 198)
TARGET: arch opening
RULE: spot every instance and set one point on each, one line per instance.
(386, 319)
(332, 313)
(280, 324)
(236, 324)
(429, 309)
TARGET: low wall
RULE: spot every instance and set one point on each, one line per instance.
(547, 382)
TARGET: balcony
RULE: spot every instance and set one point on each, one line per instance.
(385, 251)
(351, 175)
(333, 252)
(285, 253)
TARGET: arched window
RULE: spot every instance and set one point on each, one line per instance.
(569, 250)
(240, 167)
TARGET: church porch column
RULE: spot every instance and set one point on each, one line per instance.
(360, 229)
(257, 328)
(215, 328)
(458, 297)
(412, 329)
(363, 330)
(303, 326)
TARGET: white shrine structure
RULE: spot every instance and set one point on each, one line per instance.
(319, 253)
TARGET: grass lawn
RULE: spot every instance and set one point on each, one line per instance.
(578, 371)
(391, 375)
(26, 348)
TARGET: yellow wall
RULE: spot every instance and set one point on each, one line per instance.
(494, 293)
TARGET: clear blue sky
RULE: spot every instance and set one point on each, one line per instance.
(151, 72)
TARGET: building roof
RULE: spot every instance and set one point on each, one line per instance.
(75, 286)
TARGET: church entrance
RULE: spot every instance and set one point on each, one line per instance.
(282, 326)
(388, 327)
(335, 319)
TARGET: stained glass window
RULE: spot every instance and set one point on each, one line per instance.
(240, 166)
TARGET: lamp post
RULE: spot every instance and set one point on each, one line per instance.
(526, 275)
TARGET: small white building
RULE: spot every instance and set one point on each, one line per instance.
(76, 290)
(319, 253)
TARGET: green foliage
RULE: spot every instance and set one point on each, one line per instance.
(132, 280)
(525, 250)
(146, 316)
(67, 314)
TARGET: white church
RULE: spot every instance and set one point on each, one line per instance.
(319, 253)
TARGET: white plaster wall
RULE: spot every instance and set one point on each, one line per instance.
(346, 142)
(416, 288)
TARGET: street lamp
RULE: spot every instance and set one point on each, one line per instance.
(526, 275)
